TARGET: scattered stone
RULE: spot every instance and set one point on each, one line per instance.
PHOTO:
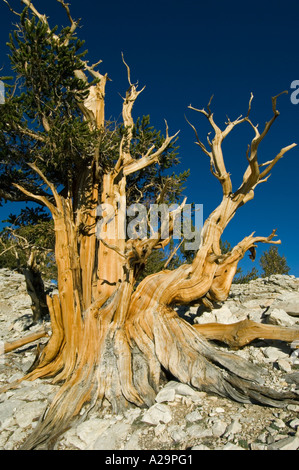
(156, 414)
(294, 424)
(200, 447)
(194, 416)
(216, 411)
(7, 411)
(274, 354)
(231, 446)
(28, 413)
(293, 408)
(258, 446)
(289, 443)
(219, 428)
(185, 390)
(166, 394)
(113, 438)
(23, 323)
(288, 302)
(234, 428)
(178, 434)
(182, 417)
(292, 378)
(199, 431)
(278, 316)
(90, 430)
(224, 315)
(284, 365)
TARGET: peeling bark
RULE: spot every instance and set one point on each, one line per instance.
(110, 337)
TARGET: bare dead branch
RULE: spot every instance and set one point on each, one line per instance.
(252, 176)
(217, 164)
(41, 17)
(132, 94)
(11, 9)
(173, 253)
(74, 24)
(42, 199)
(128, 69)
(7, 249)
(114, 248)
(13, 345)
(48, 183)
(273, 162)
(198, 141)
(239, 334)
(93, 108)
(150, 157)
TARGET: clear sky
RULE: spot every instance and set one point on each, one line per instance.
(186, 51)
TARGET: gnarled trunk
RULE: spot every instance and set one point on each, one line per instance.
(110, 337)
(115, 348)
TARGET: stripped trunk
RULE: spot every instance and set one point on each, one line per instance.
(111, 337)
(111, 341)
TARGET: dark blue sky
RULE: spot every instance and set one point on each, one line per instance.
(186, 51)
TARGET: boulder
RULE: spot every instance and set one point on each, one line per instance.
(278, 316)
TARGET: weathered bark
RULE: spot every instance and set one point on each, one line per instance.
(110, 339)
(36, 289)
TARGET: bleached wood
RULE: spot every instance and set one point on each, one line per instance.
(239, 334)
(111, 336)
(19, 343)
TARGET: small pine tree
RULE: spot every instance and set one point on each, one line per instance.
(27, 245)
(245, 278)
(273, 263)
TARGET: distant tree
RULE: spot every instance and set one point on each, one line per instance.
(273, 263)
(32, 231)
(245, 278)
(27, 245)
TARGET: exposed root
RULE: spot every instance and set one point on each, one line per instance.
(124, 367)
(239, 334)
(193, 360)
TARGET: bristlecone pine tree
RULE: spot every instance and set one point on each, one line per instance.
(112, 337)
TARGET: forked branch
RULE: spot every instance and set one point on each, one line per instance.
(252, 176)
(126, 162)
(11, 9)
(150, 157)
(93, 107)
(37, 198)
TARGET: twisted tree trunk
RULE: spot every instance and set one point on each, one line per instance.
(110, 337)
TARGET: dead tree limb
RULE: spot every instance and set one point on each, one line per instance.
(237, 335)
(13, 345)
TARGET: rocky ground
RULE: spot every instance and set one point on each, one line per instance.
(182, 418)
